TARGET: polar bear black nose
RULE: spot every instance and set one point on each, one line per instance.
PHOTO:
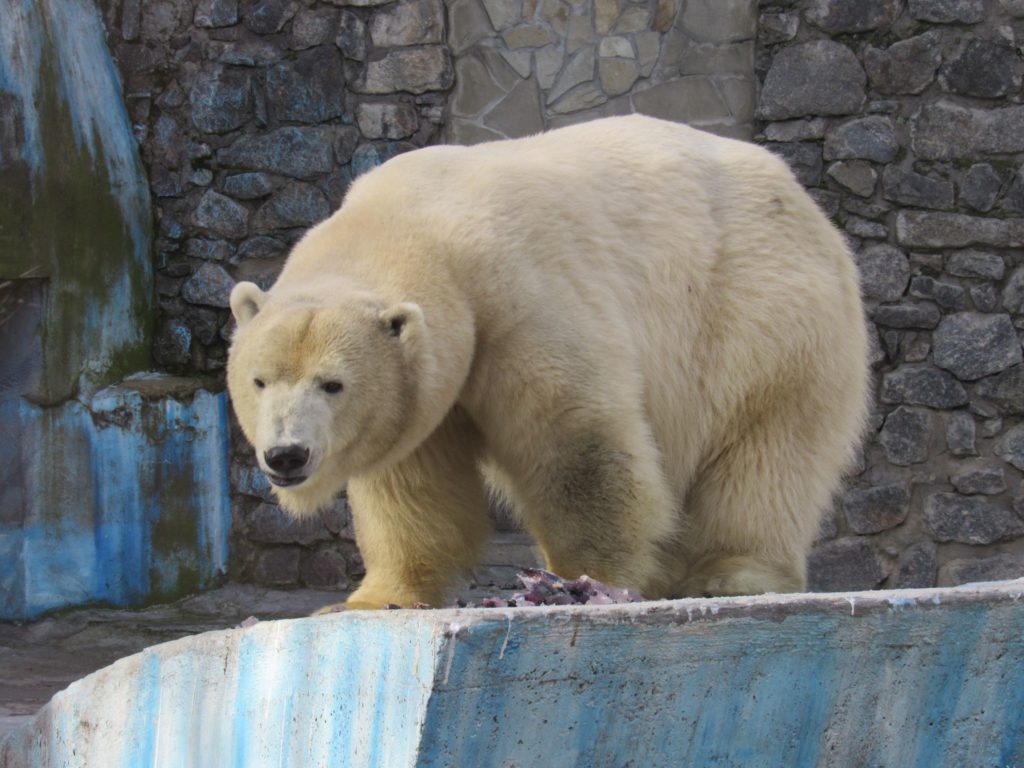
(286, 459)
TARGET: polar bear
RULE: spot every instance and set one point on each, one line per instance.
(646, 337)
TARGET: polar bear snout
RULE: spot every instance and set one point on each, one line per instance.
(286, 463)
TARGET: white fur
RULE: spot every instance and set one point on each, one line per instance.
(651, 336)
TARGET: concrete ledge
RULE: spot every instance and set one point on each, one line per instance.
(910, 678)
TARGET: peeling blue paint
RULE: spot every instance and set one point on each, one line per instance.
(761, 682)
(100, 481)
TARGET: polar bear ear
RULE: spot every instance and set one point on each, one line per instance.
(246, 300)
(404, 321)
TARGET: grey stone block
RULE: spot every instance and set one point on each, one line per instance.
(974, 263)
(309, 89)
(260, 247)
(980, 187)
(221, 216)
(872, 510)
(865, 228)
(796, 130)
(269, 16)
(248, 186)
(910, 188)
(946, 295)
(1011, 447)
(984, 297)
(302, 152)
(944, 131)
(410, 22)
(919, 314)
(969, 519)
(816, 78)
(884, 271)
(221, 100)
(1013, 292)
(906, 67)
(922, 384)
(351, 39)
(927, 229)
(906, 435)
(313, 27)
(869, 209)
(865, 138)
(985, 68)
(215, 13)
(298, 204)
(854, 176)
(948, 11)
(208, 250)
(917, 566)
(972, 345)
(777, 26)
(961, 434)
(209, 285)
(979, 478)
(246, 53)
(1013, 198)
(848, 563)
(841, 17)
(415, 70)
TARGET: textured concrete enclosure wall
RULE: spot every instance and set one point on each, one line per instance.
(109, 493)
(903, 120)
(526, 65)
(920, 678)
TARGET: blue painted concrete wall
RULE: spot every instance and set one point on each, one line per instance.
(124, 500)
(925, 678)
(109, 492)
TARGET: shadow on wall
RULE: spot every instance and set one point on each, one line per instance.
(108, 491)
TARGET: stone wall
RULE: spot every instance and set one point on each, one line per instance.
(902, 119)
(254, 116)
(524, 66)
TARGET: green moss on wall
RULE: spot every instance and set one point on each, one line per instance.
(63, 217)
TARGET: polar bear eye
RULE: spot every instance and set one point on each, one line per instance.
(260, 384)
(331, 387)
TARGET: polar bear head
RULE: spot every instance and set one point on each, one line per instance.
(324, 385)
